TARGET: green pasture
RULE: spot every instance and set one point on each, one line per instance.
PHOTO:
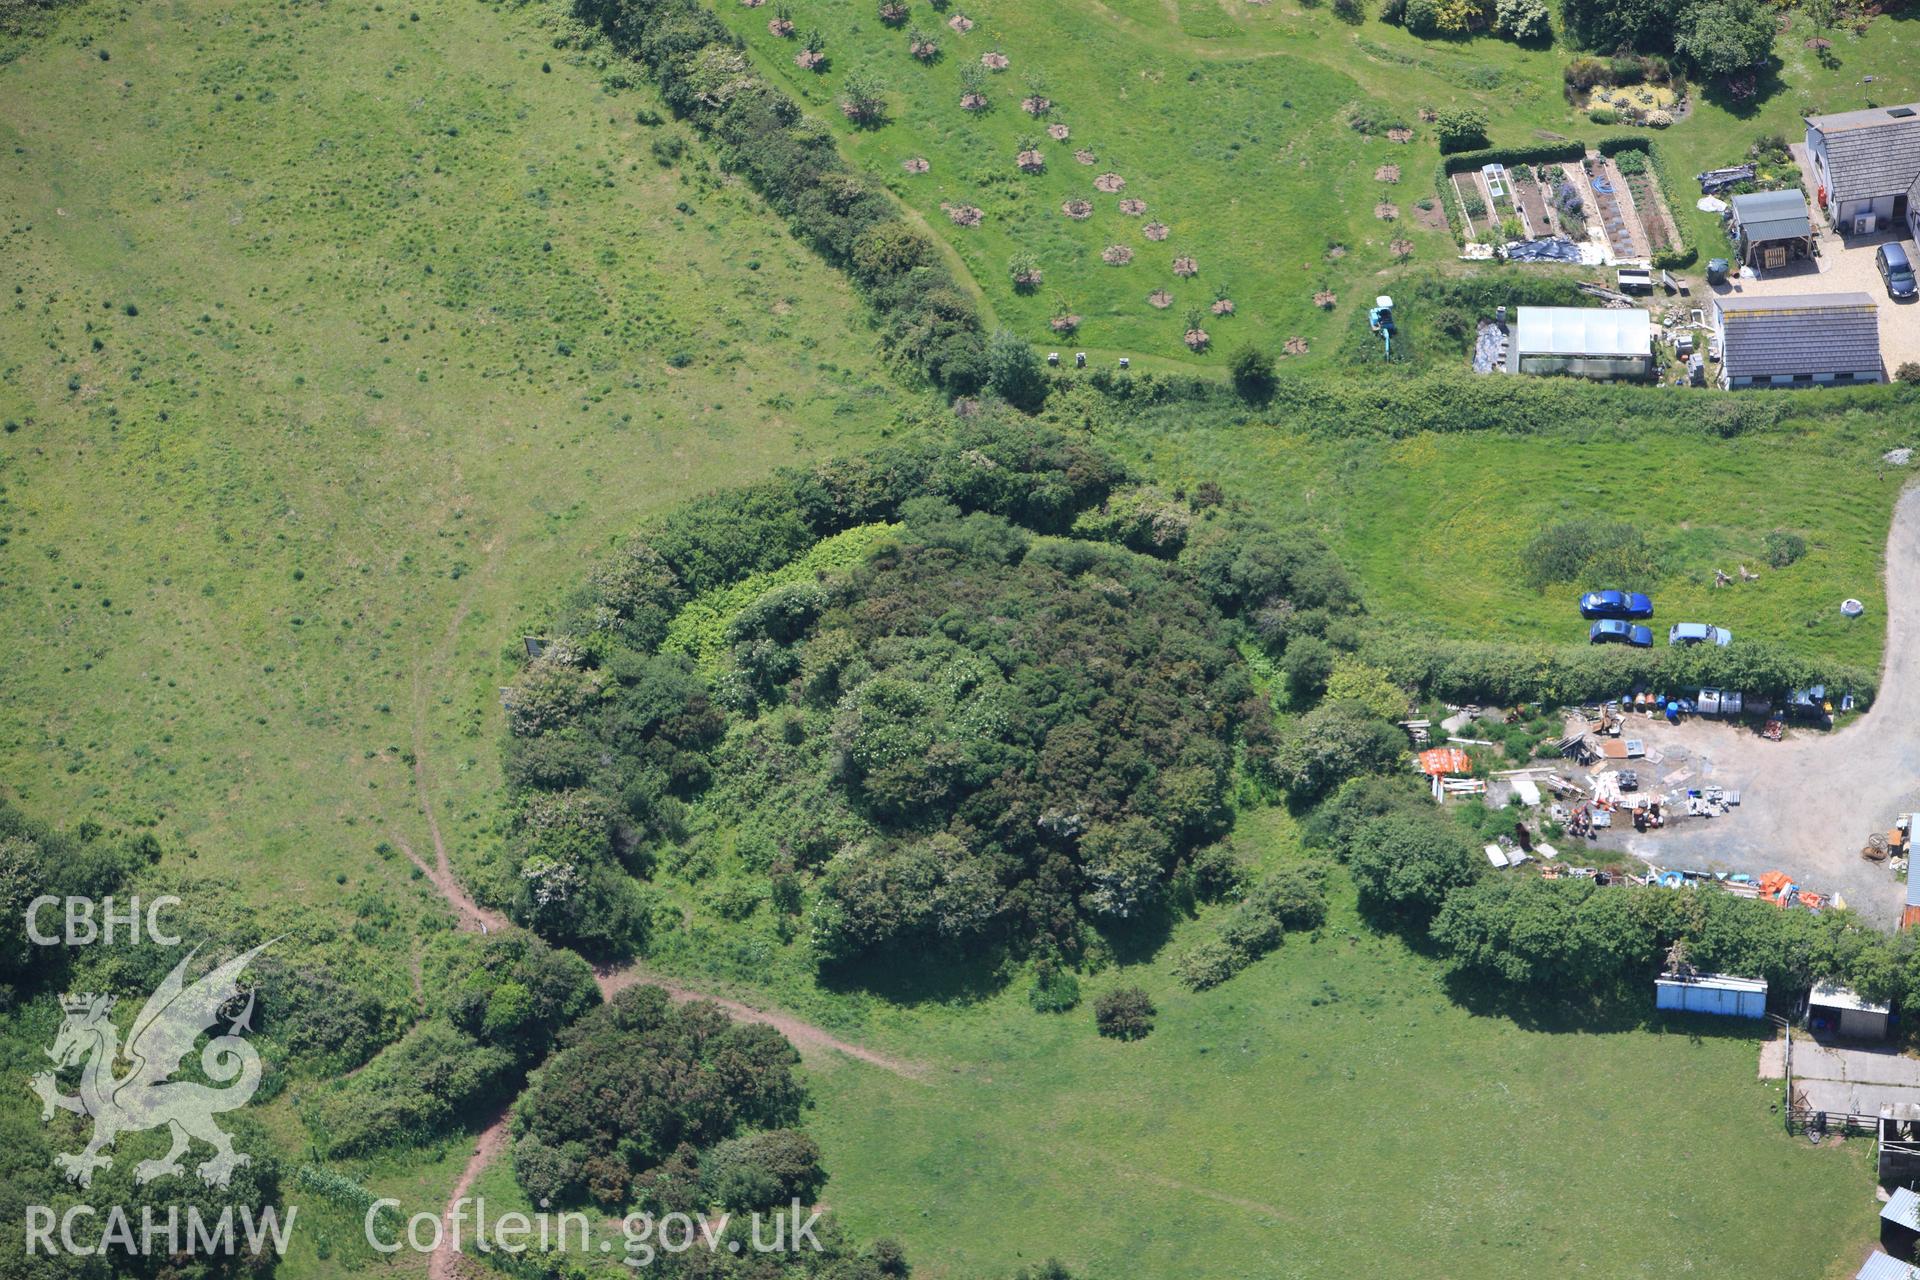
(1340, 1108)
(1435, 526)
(337, 345)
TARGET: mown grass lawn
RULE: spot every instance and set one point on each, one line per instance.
(337, 344)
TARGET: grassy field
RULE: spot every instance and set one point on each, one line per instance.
(1338, 1109)
(1435, 526)
(341, 342)
(338, 344)
(1229, 120)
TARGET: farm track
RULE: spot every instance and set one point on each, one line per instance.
(1810, 801)
(447, 1262)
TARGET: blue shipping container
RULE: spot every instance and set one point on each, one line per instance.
(1713, 993)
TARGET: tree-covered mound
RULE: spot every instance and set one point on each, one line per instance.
(968, 692)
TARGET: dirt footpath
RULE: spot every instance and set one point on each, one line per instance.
(1809, 803)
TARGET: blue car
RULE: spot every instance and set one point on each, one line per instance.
(1614, 631)
(1615, 604)
(1698, 633)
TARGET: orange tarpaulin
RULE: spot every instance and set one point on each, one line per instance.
(1438, 760)
(1773, 886)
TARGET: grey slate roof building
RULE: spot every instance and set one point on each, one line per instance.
(1867, 162)
(1771, 227)
(1798, 339)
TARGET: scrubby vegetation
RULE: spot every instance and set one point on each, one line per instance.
(929, 322)
(982, 731)
(642, 1090)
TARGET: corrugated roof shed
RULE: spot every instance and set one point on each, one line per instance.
(1882, 1266)
(1808, 333)
(1903, 1209)
(1870, 153)
(1913, 888)
(1773, 215)
(1583, 331)
(1831, 995)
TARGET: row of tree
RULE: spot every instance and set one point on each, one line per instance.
(1418, 870)
(928, 321)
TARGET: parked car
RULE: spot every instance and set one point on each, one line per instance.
(1897, 270)
(1614, 631)
(1718, 702)
(1615, 604)
(1698, 633)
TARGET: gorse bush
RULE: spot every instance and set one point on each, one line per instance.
(932, 732)
(1608, 553)
(1125, 1013)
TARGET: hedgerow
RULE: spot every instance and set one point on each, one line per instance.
(928, 321)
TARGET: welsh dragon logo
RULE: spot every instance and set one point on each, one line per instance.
(145, 1097)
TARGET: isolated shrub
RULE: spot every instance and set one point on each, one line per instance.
(1349, 12)
(1295, 895)
(1393, 12)
(1125, 1013)
(1373, 118)
(1054, 989)
(1584, 73)
(1783, 548)
(1604, 116)
(1014, 371)
(1208, 964)
(1573, 551)
(1908, 372)
(863, 98)
(1459, 128)
(1252, 372)
(667, 149)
